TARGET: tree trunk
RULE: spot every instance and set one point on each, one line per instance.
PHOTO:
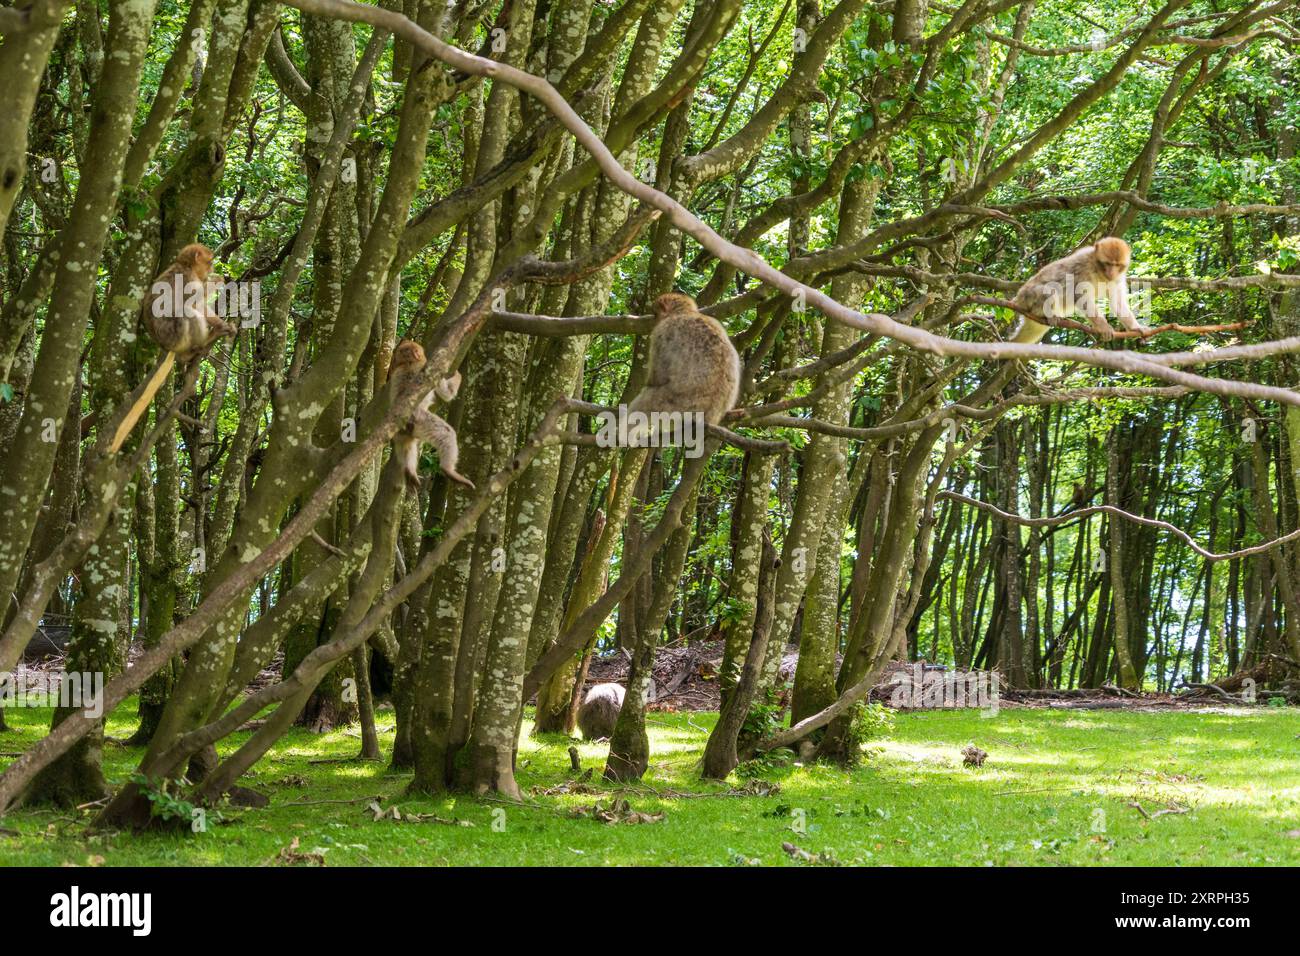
(720, 756)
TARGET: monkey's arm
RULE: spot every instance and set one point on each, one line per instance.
(214, 325)
(1119, 305)
(1086, 302)
(448, 388)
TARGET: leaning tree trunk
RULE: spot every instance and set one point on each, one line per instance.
(720, 752)
(26, 470)
(749, 520)
(555, 712)
(96, 653)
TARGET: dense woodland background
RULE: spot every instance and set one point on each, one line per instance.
(911, 159)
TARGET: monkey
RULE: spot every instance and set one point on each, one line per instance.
(1072, 284)
(693, 365)
(1080, 498)
(426, 427)
(180, 319)
(599, 711)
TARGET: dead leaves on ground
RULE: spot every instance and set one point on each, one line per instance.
(394, 813)
(616, 811)
(292, 856)
(754, 787)
(567, 787)
(825, 858)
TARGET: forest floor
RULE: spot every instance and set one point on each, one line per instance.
(1217, 786)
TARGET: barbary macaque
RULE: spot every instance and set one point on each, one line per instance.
(599, 711)
(693, 365)
(1081, 496)
(1072, 285)
(426, 427)
(179, 317)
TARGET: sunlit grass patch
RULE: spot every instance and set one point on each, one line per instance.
(1057, 788)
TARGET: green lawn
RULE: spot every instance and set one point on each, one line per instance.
(1056, 789)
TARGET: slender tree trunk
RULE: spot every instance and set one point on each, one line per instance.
(720, 757)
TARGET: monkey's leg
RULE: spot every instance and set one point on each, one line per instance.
(652, 398)
(442, 437)
(407, 450)
(1103, 329)
(142, 403)
(1089, 308)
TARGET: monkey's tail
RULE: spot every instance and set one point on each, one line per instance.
(142, 403)
(455, 475)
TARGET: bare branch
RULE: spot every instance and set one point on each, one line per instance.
(1078, 513)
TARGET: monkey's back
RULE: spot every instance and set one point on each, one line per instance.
(1047, 286)
(698, 363)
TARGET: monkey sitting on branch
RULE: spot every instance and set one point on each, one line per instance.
(693, 366)
(426, 427)
(180, 319)
(1072, 285)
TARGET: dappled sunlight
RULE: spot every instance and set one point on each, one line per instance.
(1056, 789)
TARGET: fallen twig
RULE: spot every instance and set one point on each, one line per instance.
(1175, 809)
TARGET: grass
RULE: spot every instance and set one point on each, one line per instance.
(1057, 789)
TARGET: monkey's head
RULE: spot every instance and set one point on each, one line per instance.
(671, 302)
(196, 258)
(407, 357)
(1113, 256)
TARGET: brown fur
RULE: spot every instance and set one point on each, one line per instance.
(426, 427)
(599, 711)
(182, 329)
(1091, 271)
(693, 365)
